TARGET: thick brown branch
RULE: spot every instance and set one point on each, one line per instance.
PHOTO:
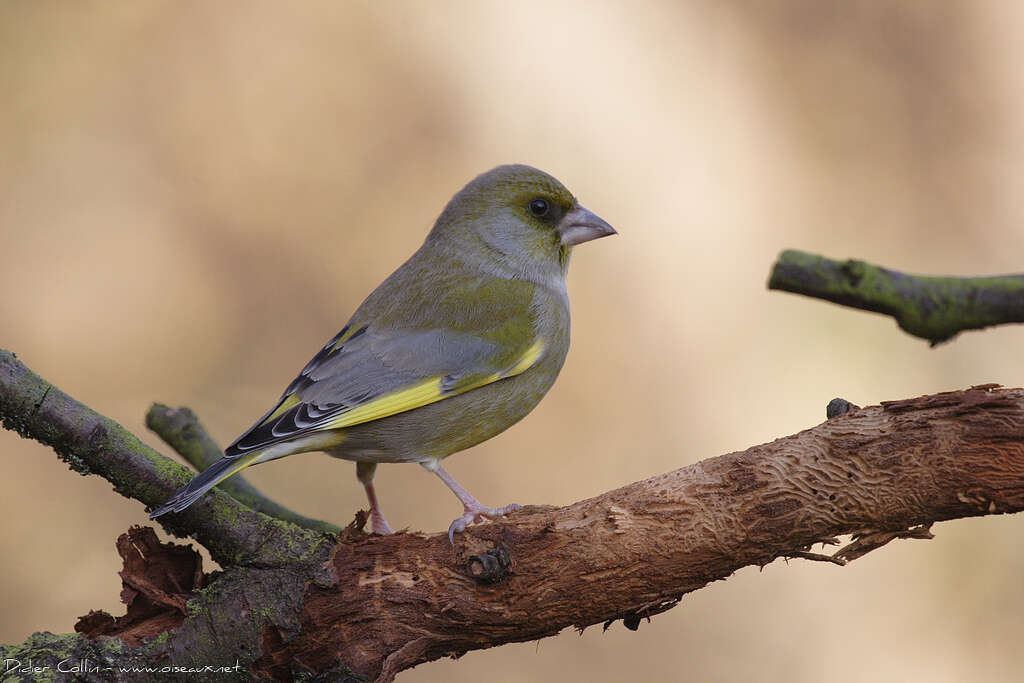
(374, 606)
(933, 308)
(634, 552)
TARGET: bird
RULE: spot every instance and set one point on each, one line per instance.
(461, 342)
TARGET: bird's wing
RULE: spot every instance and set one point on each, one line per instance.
(367, 372)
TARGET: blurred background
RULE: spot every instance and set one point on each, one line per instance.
(195, 196)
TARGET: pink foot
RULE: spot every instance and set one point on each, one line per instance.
(476, 514)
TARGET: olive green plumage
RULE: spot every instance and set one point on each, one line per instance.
(457, 345)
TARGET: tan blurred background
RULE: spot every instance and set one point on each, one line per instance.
(194, 196)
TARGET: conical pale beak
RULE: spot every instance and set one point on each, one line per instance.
(582, 225)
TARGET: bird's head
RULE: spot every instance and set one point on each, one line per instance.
(518, 218)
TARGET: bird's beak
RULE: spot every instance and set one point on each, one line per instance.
(581, 225)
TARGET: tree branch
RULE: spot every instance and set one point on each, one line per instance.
(93, 444)
(370, 607)
(932, 308)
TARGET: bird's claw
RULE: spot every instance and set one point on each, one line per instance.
(475, 515)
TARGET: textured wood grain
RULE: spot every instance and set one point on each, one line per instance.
(879, 472)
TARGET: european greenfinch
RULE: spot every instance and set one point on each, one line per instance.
(456, 346)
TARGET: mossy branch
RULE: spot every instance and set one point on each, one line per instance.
(93, 444)
(933, 308)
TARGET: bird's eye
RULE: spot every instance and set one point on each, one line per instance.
(539, 207)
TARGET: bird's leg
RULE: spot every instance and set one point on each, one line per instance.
(475, 511)
(364, 473)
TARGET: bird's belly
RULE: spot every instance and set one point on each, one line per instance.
(450, 425)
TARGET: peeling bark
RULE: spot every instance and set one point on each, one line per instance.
(158, 579)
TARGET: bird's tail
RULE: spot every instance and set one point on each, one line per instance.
(204, 481)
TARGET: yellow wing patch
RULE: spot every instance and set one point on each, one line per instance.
(526, 361)
(426, 392)
(346, 335)
(287, 403)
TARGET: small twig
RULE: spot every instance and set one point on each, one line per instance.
(864, 543)
(816, 557)
(932, 308)
(181, 430)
